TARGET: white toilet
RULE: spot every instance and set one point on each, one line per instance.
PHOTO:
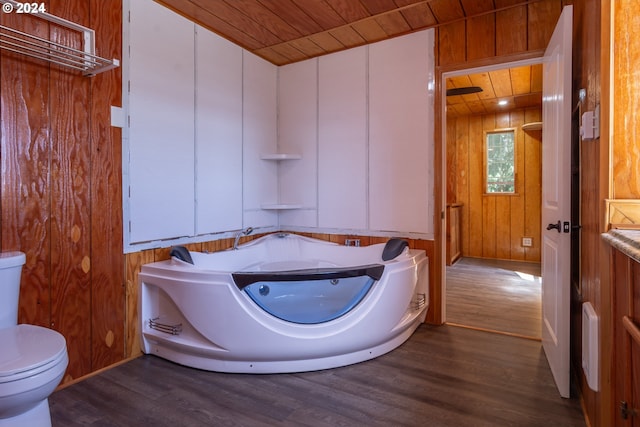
(33, 359)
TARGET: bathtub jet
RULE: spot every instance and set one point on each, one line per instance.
(282, 303)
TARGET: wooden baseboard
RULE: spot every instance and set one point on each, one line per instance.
(94, 373)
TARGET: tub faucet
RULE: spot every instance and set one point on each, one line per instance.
(241, 233)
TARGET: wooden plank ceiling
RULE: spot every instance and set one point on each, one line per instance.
(287, 31)
(519, 87)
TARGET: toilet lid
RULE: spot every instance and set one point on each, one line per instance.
(26, 347)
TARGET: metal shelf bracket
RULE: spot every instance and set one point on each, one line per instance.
(84, 60)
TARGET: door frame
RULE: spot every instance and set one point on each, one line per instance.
(440, 159)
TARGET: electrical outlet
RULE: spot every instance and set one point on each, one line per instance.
(527, 242)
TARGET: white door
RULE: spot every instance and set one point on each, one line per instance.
(556, 198)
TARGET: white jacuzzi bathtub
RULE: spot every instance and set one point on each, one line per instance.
(283, 303)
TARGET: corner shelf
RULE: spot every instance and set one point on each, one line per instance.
(280, 206)
(281, 156)
(532, 126)
(278, 157)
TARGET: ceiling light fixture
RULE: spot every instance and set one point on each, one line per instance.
(463, 90)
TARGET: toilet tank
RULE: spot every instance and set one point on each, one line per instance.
(10, 269)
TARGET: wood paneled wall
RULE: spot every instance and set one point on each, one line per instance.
(512, 34)
(614, 170)
(590, 52)
(492, 226)
(611, 165)
(592, 21)
(61, 186)
(626, 114)
(504, 33)
(528, 30)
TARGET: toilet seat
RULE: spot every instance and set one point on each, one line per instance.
(29, 350)
(12, 259)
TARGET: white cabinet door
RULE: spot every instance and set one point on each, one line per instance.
(161, 114)
(260, 177)
(218, 140)
(297, 133)
(342, 140)
(401, 134)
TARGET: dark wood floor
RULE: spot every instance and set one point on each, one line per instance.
(503, 296)
(442, 376)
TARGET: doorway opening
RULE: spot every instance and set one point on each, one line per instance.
(493, 241)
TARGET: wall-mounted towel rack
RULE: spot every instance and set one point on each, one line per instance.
(84, 60)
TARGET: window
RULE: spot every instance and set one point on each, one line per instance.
(500, 161)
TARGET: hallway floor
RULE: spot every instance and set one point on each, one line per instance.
(495, 295)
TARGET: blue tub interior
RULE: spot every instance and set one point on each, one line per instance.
(309, 296)
(310, 301)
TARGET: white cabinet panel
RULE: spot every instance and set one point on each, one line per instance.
(342, 140)
(161, 133)
(260, 177)
(401, 134)
(218, 140)
(297, 133)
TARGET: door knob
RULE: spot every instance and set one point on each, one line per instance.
(557, 226)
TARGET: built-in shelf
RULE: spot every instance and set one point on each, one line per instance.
(281, 156)
(532, 126)
(280, 206)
